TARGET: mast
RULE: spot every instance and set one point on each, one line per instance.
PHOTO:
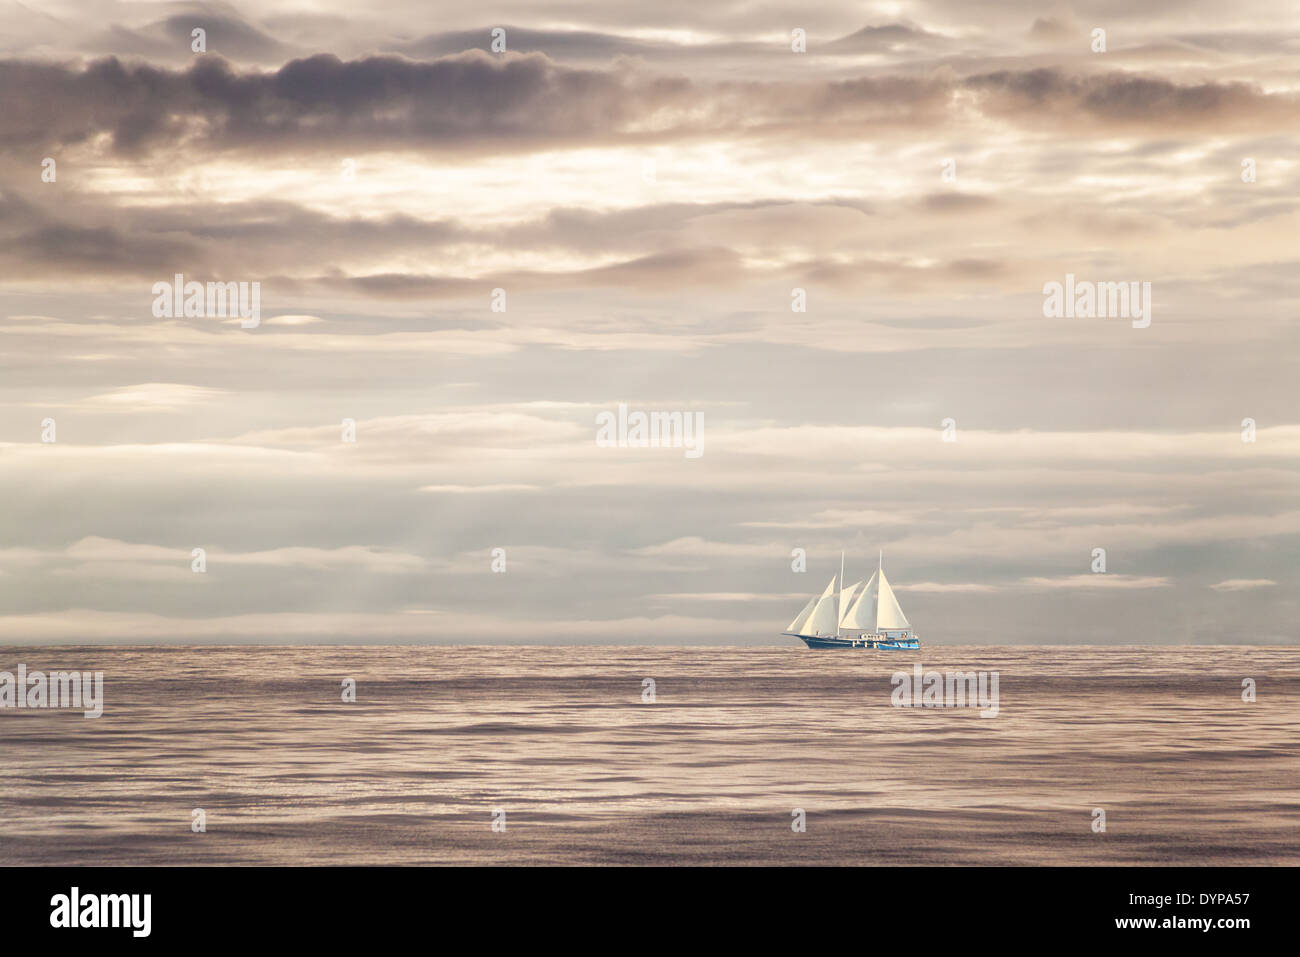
(839, 604)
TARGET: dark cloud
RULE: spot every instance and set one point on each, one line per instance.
(1053, 28)
(50, 239)
(479, 101)
(319, 100)
(60, 248)
(35, 243)
(956, 202)
(1122, 100)
(655, 272)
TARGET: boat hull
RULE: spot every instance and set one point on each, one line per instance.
(881, 644)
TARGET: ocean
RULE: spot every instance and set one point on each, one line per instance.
(556, 755)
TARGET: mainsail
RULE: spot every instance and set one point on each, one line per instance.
(862, 616)
(822, 621)
(876, 609)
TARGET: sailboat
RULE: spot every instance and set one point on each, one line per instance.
(864, 615)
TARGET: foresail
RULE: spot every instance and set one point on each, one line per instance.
(802, 617)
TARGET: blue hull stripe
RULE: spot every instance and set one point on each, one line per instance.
(893, 644)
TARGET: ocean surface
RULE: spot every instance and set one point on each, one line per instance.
(710, 772)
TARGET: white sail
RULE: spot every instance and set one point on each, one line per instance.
(876, 609)
(822, 619)
(800, 618)
(888, 614)
(849, 614)
(862, 615)
(846, 600)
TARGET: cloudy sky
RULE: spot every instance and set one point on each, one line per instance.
(648, 183)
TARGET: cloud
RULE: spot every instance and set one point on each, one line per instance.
(127, 556)
(151, 396)
(693, 546)
(565, 45)
(323, 101)
(1123, 102)
(1243, 584)
(171, 38)
(889, 37)
(729, 596)
(1055, 28)
(474, 100)
(949, 587)
(94, 626)
(838, 518)
(291, 320)
(478, 489)
(1106, 580)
